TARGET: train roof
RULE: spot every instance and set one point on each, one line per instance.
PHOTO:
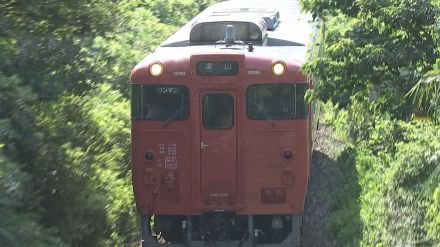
(276, 27)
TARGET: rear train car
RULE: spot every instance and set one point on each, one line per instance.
(221, 133)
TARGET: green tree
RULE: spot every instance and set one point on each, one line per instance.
(19, 227)
(64, 116)
(20, 224)
(379, 65)
(425, 94)
(87, 194)
(374, 49)
(43, 41)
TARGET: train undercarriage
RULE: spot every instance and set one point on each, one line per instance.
(221, 230)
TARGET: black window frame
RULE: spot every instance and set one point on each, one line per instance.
(306, 105)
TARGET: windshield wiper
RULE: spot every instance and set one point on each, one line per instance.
(265, 114)
(164, 123)
(180, 108)
(268, 117)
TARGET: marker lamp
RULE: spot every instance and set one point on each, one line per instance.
(156, 69)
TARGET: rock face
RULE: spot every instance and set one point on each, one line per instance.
(323, 182)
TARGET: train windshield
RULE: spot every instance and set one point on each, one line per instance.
(276, 101)
(159, 102)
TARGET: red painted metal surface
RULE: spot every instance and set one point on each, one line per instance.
(218, 164)
(185, 177)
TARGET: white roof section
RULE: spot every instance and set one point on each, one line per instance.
(288, 28)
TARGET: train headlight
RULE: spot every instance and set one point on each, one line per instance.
(278, 68)
(156, 69)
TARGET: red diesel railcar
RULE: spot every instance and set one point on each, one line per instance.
(221, 133)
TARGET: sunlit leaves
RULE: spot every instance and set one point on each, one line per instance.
(412, 182)
(324, 7)
(19, 227)
(398, 168)
(86, 156)
(426, 94)
(384, 46)
(432, 224)
(376, 53)
(48, 35)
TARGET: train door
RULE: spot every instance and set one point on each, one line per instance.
(218, 148)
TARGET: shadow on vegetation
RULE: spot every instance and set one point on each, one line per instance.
(332, 210)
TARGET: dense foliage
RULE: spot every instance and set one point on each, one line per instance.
(374, 49)
(64, 116)
(389, 194)
(379, 72)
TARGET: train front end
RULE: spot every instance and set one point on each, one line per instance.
(221, 136)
